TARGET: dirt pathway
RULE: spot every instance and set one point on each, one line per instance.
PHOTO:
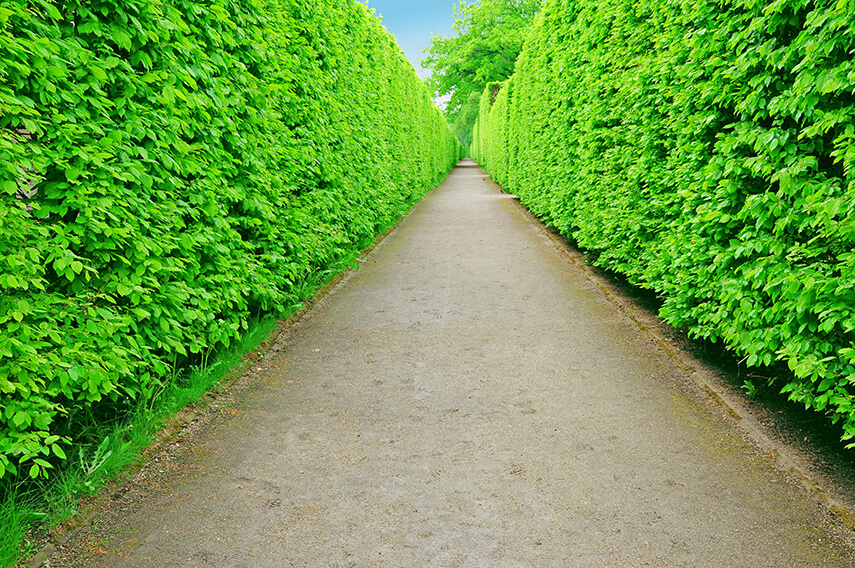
(466, 399)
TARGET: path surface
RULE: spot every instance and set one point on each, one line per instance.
(468, 399)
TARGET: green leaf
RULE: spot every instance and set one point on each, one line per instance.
(122, 39)
(42, 422)
(52, 11)
(72, 173)
(21, 418)
(98, 72)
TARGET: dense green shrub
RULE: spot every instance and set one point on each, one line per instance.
(705, 150)
(170, 167)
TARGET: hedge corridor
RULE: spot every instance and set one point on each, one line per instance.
(171, 168)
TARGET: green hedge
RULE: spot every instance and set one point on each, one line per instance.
(705, 150)
(169, 168)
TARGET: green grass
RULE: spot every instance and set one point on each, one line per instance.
(18, 512)
(54, 501)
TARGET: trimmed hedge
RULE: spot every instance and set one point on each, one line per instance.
(704, 150)
(169, 168)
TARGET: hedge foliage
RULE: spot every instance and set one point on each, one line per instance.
(169, 168)
(705, 150)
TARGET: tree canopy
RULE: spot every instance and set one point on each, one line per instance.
(486, 40)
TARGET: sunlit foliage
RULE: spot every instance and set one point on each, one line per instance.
(486, 40)
(169, 168)
(704, 150)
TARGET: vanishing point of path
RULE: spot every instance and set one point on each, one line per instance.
(468, 398)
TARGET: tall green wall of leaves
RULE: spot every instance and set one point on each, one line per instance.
(705, 150)
(169, 168)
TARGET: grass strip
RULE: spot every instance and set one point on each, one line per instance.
(31, 507)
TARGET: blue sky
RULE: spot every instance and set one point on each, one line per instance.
(412, 21)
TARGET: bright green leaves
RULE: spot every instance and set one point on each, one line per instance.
(706, 151)
(168, 171)
(488, 37)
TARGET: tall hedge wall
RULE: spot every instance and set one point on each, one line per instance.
(169, 168)
(705, 150)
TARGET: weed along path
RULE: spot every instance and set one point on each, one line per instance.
(468, 398)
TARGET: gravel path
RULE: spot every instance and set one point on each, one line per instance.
(468, 398)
